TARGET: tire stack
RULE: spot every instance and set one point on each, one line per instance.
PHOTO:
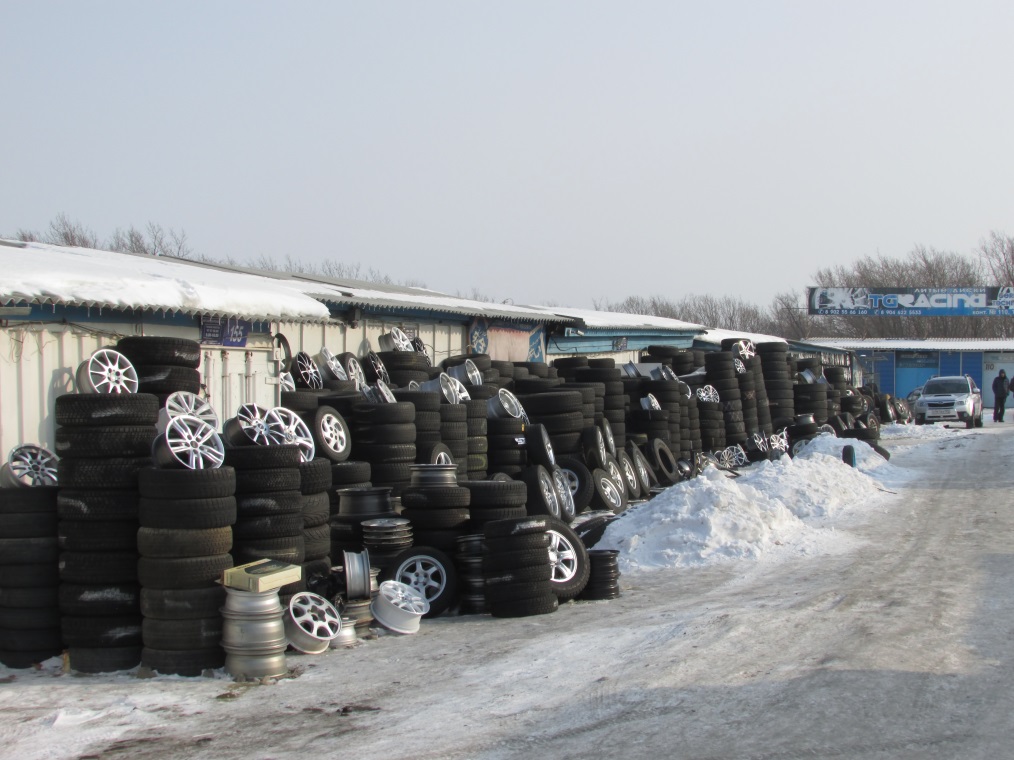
(614, 399)
(468, 561)
(492, 500)
(406, 366)
(506, 370)
(385, 436)
(801, 431)
(184, 541)
(566, 366)
(560, 412)
(454, 434)
(476, 460)
(712, 422)
(837, 380)
(29, 578)
(669, 397)
(506, 436)
(748, 397)
(811, 398)
(652, 423)
(690, 421)
(721, 373)
(315, 485)
(104, 441)
(779, 381)
(163, 365)
(269, 507)
(764, 420)
(355, 506)
(517, 568)
(427, 421)
(437, 506)
(604, 577)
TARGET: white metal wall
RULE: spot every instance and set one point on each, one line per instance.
(38, 362)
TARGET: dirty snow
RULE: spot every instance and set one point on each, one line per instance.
(786, 509)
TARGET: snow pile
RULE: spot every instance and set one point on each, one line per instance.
(923, 432)
(784, 506)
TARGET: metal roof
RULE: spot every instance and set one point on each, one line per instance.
(914, 344)
(604, 320)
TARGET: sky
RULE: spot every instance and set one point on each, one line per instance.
(568, 153)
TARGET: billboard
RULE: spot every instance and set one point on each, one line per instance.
(911, 302)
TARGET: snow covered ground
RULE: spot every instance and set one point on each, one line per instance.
(786, 510)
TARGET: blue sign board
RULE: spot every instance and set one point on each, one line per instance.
(911, 302)
(231, 333)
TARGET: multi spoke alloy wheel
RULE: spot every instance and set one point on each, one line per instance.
(562, 557)
(377, 365)
(779, 441)
(29, 465)
(650, 402)
(333, 433)
(733, 456)
(286, 427)
(685, 390)
(740, 367)
(308, 372)
(611, 492)
(286, 382)
(760, 441)
(745, 349)
(250, 425)
(354, 370)
(573, 482)
(708, 393)
(191, 442)
(629, 474)
(382, 393)
(548, 490)
(185, 403)
(396, 340)
(564, 494)
(311, 622)
(798, 446)
(330, 361)
(399, 607)
(420, 348)
(106, 371)
(424, 574)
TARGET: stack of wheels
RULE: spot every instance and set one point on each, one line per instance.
(866, 427)
(385, 538)
(837, 378)
(544, 496)
(595, 403)
(163, 365)
(506, 370)
(536, 369)
(803, 430)
(764, 419)
(778, 378)
(748, 395)
(579, 480)
(29, 579)
(403, 367)
(350, 474)
(104, 440)
(490, 375)
(683, 362)
(903, 413)
(492, 500)
(712, 421)
(428, 441)
(184, 541)
(269, 507)
(517, 568)
(436, 506)
(560, 412)
(476, 460)
(670, 398)
(604, 458)
(720, 367)
(614, 401)
(315, 485)
(385, 436)
(506, 436)
(855, 403)
(566, 365)
(471, 583)
(811, 398)
(355, 506)
(604, 577)
(431, 572)
(653, 423)
(633, 392)
(693, 424)
(454, 434)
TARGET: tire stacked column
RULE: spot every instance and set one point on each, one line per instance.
(385, 436)
(163, 365)
(315, 484)
(477, 460)
(517, 568)
(778, 382)
(721, 373)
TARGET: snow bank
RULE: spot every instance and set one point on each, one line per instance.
(785, 505)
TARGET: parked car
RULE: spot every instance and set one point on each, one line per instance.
(952, 398)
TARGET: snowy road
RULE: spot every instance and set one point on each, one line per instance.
(894, 642)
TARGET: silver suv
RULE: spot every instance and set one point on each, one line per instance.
(953, 398)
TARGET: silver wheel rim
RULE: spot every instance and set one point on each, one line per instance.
(505, 404)
(401, 341)
(107, 371)
(287, 428)
(564, 494)
(308, 371)
(708, 393)
(473, 372)
(329, 360)
(825, 428)
(779, 441)
(354, 370)
(460, 391)
(191, 442)
(253, 421)
(740, 367)
(650, 402)
(357, 574)
(629, 474)
(399, 607)
(447, 388)
(424, 574)
(383, 394)
(799, 446)
(31, 465)
(185, 403)
(311, 623)
(443, 458)
(333, 433)
(562, 557)
(642, 470)
(607, 433)
(760, 442)
(738, 455)
(377, 364)
(617, 475)
(611, 492)
(745, 349)
(573, 483)
(286, 382)
(549, 493)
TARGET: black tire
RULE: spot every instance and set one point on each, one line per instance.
(27, 524)
(383, 414)
(578, 473)
(259, 457)
(85, 631)
(187, 514)
(95, 409)
(186, 484)
(881, 450)
(520, 527)
(35, 500)
(268, 480)
(186, 662)
(346, 473)
(542, 498)
(385, 453)
(496, 493)
(316, 543)
(172, 543)
(182, 604)
(97, 505)
(266, 504)
(31, 575)
(496, 593)
(538, 446)
(186, 634)
(299, 400)
(104, 442)
(99, 600)
(30, 598)
(571, 566)
(429, 571)
(103, 659)
(112, 474)
(435, 497)
(496, 564)
(436, 519)
(330, 433)
(316, 509)
(291, 550)
(517, 543)
(166, 378)
(268, 526)
(534, 574)
(188, 572)
(83, 536)
(315, 476)
(16, 659)
(29, 618)
(142, 350)
(98, 568)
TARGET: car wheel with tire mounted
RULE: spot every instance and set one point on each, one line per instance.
(568, 559)
(430, 572)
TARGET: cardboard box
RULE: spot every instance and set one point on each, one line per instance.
(262, 575)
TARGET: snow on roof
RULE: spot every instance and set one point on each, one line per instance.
(913, 344)
(607, 319)
(53, 274)
(716, 335)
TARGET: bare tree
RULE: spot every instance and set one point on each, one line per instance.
(997, 253)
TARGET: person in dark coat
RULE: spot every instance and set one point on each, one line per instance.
(1001, 387)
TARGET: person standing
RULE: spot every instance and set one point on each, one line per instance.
(1001, 387)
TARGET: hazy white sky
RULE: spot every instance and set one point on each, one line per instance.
(537, 151)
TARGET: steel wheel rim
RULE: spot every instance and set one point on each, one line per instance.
(548, 490)
(708, 393)
(253, 421)
(333, 433)
(185, 403)
(427, 576)
(286, 382)
(308, 371)
(311, 623)
(287, 428)
(562, 557)
(357, 574)
(32, 466)
(107, 372)
(191, 442)
(611, 492)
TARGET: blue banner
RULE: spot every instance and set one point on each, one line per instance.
(911, 302)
